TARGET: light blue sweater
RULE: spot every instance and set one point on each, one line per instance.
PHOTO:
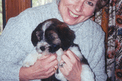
(15, 41)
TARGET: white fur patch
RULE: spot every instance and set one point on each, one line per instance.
(59, 53)
(46, 25)
(31, 59)
(60, 76)
(76, 51)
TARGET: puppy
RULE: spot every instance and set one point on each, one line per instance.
(54, 37)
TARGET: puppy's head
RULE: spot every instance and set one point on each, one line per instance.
(51, 35)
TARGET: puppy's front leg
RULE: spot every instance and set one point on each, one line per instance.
(59, 75)
(86, 73)
(31, 58)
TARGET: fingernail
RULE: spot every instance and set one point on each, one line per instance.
(56, 67)
(68, 51)
(53, 57)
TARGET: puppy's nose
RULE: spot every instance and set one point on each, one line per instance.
(42, 48)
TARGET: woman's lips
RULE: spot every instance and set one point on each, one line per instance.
(73, 15)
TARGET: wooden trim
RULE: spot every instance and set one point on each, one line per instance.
(3, 13)
(105, 22)
(14, 7)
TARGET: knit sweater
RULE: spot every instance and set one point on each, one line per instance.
(15, 41)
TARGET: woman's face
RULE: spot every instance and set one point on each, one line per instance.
(76, 11)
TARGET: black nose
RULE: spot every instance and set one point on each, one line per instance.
(42, 48)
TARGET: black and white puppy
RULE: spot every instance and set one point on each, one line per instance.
(54, 37)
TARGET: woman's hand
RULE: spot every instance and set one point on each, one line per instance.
(43, 68)
(72, 67)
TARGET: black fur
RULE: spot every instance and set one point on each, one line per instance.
(51, 78)
(84, 60)
(65, 34)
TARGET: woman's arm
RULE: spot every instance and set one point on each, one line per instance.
(15, 44)
(98, 60)
(72, 67)
(42, 68)
(92, 46)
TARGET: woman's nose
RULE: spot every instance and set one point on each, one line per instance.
(79, 6)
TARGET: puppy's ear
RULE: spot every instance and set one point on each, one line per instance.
(66, 35)
(37, 35)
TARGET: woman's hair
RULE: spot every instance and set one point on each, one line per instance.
(100, 4)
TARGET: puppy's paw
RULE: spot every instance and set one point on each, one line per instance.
(75, 49)
(30, 60)
(60, 76)
(26, 64)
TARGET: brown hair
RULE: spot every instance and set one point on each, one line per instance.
(100, 4)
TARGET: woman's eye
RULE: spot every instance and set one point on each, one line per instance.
(90, 3)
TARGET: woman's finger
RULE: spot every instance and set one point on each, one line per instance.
(46, 74)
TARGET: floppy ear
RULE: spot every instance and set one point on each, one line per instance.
(37, 35)
(66, 35)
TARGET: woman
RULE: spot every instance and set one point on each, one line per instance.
(15, 42)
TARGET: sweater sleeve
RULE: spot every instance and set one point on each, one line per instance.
(97, 63)
(14, 43)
